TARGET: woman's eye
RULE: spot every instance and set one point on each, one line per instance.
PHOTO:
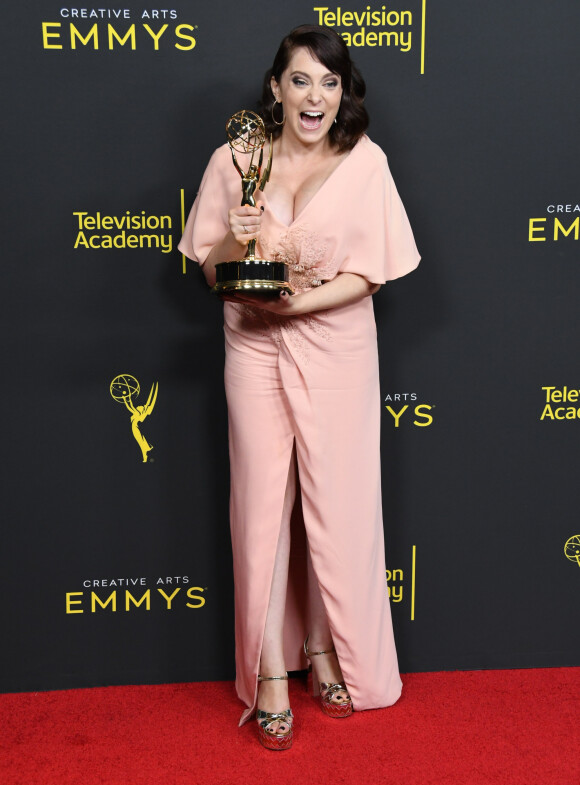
(298, 82)
(332, 83)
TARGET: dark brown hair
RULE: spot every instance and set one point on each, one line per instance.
(326, 46)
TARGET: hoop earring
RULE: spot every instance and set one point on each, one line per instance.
(273, 118)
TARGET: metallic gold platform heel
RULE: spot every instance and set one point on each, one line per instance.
(278, 739)
(331, 703)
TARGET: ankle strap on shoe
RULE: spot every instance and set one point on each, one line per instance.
(273, 678)
(309, 653)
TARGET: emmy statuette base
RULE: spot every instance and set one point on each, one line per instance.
(256, 277)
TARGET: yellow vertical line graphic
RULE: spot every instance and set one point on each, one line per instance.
(423, 17)
(413, 568)
(183, 262)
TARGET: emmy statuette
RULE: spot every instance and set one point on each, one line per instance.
(246, 134)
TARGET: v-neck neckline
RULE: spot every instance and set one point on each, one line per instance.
(312, 198)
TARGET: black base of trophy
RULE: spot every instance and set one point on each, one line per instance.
(253, 277)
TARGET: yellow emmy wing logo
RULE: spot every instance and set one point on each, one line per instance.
(572, 549)
(124, 388)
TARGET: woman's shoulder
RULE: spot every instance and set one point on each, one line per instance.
(220, 168)
(221, 154)
(370, 152)
(222, 159)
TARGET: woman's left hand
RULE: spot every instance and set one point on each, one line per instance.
(283, 305)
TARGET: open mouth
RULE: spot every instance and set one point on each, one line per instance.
(311, 120)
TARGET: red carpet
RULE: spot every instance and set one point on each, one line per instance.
(517, 727)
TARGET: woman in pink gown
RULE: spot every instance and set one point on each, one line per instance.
(302, 388)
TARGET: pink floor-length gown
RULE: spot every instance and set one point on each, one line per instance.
(312, 381)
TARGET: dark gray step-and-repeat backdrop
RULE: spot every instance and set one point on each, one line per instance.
(118, 570)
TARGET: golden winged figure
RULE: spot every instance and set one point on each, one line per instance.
(138, 414)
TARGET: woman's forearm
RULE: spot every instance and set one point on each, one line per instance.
(345, 289)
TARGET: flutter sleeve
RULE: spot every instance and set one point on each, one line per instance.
(377, 239)
(207, 222)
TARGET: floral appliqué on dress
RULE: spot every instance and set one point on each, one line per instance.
(302, 251)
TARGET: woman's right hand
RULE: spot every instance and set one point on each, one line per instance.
(245, 223)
